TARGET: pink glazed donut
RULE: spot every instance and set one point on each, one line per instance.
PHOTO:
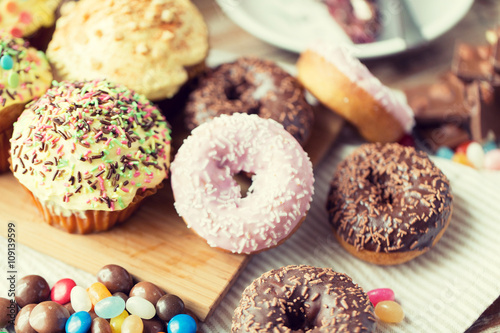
(209, 200)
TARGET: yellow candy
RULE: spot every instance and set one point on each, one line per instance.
(389, 311)
(132, 324)
(97, 291)
(462, 159)
(117, 322)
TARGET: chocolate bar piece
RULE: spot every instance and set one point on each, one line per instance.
(439, 102)
(472, 62)
(484, 100)
(448, 135)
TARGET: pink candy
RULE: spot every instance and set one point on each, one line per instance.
(492, 160)
(61, 291)
(381, 294)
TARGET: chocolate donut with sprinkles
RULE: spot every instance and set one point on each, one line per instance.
(209, 199)
(253, 86)
(89, 152)
(303, 299)
(389, 203)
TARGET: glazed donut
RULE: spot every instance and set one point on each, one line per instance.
(209, 199)
(254, 86)
(346, 86)
(388, 203)
(303, 299)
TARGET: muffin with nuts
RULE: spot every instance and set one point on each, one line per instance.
(152, 47)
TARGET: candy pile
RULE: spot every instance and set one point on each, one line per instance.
(386, 309)
(113, 304)
(473, 154)
(463, 105)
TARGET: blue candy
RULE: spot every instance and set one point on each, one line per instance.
(109, 307)
(6, 62)
(445, 152)
(182, 323)
(79, 322)
(490, 145)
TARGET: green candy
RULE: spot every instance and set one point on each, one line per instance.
(13, 80)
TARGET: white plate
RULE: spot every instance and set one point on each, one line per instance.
(295, 24)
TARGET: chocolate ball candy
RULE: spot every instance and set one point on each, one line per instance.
(148, 291)
(8, 312)
(22, 323)
(169, 306)
(69, 307)
(153, 325)
(32, 289)
(115, 278)
(49, 317)
(100, 325)
(121, 295)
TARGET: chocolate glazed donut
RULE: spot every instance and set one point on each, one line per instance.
(389, 203)
(303, 299)
(253, 86)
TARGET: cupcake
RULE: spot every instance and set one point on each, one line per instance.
(23, 18)
(152, 47)
(24, 75)
(89, 153)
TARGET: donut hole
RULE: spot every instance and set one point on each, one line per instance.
(244, 180)
(381, 186)
(233, 92)
(296, 319)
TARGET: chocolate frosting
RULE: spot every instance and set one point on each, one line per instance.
(304, 299)
(252, 86)
(389, 198)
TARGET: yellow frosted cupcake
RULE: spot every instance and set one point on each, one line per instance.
(89, 152)
(24, 75)
(22, 18)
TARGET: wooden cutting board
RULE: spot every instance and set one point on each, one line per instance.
(154, 245)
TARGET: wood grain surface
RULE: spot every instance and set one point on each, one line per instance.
(155, 243)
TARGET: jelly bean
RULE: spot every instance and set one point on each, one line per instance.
(61, 291)
(132, 324)
(462, 148)
(116, 322)
(97, 291)
(6, 62)
(79, 322)
(489, 146)
(475, 155)
(13, 80)
(80, 300)
(182, 323)
(141, 307)
(462, 159)
(492, 160)
(379, 295)
(445, 152)
(389, 312)
(109, 307)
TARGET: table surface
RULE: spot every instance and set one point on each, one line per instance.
(398, 71)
